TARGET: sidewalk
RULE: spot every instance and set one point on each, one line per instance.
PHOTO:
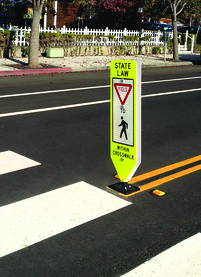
(18, 67)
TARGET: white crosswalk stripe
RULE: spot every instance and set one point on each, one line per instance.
(181, 260)
(11, 161)
(32, 220)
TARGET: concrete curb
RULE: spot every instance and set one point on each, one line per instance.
(166, 64)
(43, 71)
(34, 71)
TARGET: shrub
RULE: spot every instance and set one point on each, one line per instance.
(131, 38)
(25, 51)
(156, 50)
(6, 40)
(197, 48)
(198, 38)
(147, 37)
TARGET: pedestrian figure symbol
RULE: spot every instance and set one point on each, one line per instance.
(124, 125)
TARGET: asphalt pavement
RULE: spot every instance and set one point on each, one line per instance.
(58, 218)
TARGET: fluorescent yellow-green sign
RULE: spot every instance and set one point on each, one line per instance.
(125, 117)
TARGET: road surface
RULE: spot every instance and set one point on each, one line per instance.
(58, 218)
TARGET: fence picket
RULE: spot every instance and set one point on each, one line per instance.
(20, 39)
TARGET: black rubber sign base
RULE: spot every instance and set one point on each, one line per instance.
(124, 188)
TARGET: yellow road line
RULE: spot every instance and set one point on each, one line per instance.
(165, 179)
(164, 169)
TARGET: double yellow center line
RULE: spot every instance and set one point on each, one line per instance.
(163, 170)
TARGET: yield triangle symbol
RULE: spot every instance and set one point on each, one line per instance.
(122, 91)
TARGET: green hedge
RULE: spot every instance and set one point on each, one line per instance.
(49, 39)
(6, 41)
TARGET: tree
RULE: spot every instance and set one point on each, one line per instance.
(33, 59)
(173, 8)
(177, 7)
(86, 8)
(192, 12)
(118, 6)
(111, 13)
(37, 5)
(12, 11)
(152, 8)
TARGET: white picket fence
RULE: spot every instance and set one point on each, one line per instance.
(154, 40)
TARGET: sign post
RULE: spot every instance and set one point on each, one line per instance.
(125, 117)
(165, 39)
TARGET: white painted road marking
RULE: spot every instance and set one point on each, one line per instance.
(11, 161)
(54, 108)
(91, 103)
(172, 92)
(51, 91)
(172, 80)
(89, 88)
(32, 220)
(181, 260)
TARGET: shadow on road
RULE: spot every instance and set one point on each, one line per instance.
(17, 61)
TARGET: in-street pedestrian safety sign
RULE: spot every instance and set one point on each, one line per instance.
(125, 117)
